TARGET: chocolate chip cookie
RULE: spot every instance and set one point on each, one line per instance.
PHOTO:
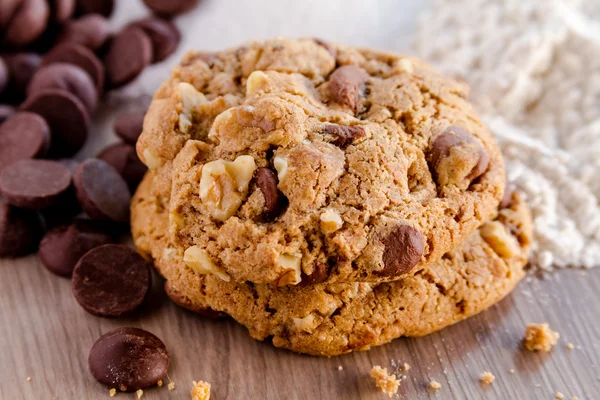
(298, 160)
(335, 318)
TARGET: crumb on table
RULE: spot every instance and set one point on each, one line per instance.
(384, 381)
(539, 337)
(112, 392)
(487, 377)
(139, 393)
(570, 346)
(28, 379)
(406, 367)
(200, 390)
(435, 385)
(159, 383)
(560, 396)
(171, 386)
(512, 371)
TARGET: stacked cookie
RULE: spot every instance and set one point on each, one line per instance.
(328, 198)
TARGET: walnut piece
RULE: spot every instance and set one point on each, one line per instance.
(496, 235)
(281, 165)
(291, 263)
(330, 221)
(190, 100)
(224, 185)
(199, 260)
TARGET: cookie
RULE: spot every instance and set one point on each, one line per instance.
(330, 319)
(287, 161)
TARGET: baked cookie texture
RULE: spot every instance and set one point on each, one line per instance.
(297, 161)
(333, 318)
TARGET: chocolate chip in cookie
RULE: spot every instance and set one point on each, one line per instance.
(319, 275)
(346, 85)
(455, 156)
(344, 135)
(275, 201)
(403, 250)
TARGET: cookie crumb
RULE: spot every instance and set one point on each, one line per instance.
(570, 346)
(537, 385)
(435, 385)
(159, 383)
(406, 367)
(560, 396)
(139, 393)
(575, 398)
(28, 379)
(539, 337)
(487, 377)
(387, 383)
(512, 370)
(340, 368)
(112, 392)
(200, 390)
(171, 386)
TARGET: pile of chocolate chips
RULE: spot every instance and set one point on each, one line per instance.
(57, 60)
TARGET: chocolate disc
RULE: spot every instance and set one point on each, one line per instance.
(62, 10)
(4, 75)
(24, 135)
(102, 192)
(123, 158)
(21, 68)
(169, 8)
(128, 359)
(27, 23)
(91, 31)
(102, 7)
(111, 280)
(81, 56)
(6, 112)
(8, 8)
(129, 126)
(127, 56)
(67, 116)
(20, 231)
(34, 184)
(164, 35)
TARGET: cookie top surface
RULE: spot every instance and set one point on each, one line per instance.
(335, 318)
(291, 157)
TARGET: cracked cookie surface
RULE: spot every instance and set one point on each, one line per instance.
(294, 160)
(334, 318)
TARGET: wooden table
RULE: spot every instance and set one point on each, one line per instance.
(45, 335)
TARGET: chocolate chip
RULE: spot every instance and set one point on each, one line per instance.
(68, 77)
(129, 126)
(403, 250)
(507, 199)
(275, 201)
(346, 85)
(91, 31)
(67, 117)
(164, 35)
(455, 136)
(102, 7)
(344, 135)
(169, 8)
(25, 135)
(34, 183)
(27, 23)
(6, 112)
(4, 75)
(101, 191)
(319, 275)
(81, 56)
(8, 8)
(127, 56)
(20, 231)
(327, 46)
(63, 246)
(183, 301)
(111, 280)
(62, 10)
(21, 68)
(124, 159)
(128, 359)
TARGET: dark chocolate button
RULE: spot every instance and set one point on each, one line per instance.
(346, 85)
(128, 359)
(164, 35)
(81, 56)
(129, 126)
(67, 116)
(124, 159)
(102, 192)
(169, 8)
(61, 10)
(91, 31)
(8, 8)
(275, 201)
(403, 250)
(4, 75)
(20, 231)
(319, 275)
(128, 54)
(111, 280)
(21, 68)
(102, 7)
(34, 183)
(23, 136)
(63, 246)
(68, 77)
(27, 23)
(6, 112)
(343, 136)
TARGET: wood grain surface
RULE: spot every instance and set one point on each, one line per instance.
(45, 335)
